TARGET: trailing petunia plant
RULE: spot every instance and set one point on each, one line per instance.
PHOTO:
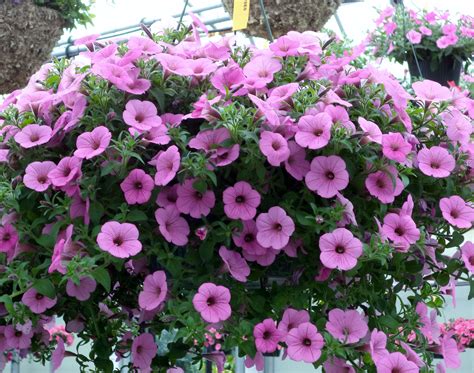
(276, 200)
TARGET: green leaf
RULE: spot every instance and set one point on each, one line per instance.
(389, 321)
(471, 289)
(102, 276)
(456, 241)
(160, 97)
(200, 186)
(7, 302)
(45, 287)
(442, 278)
(136, 215)
(95, 212)
(206, 250)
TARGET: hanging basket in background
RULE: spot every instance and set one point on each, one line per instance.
(287, 15)
(444, 71)
(28, 34)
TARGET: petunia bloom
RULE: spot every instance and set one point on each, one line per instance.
(385, 185)
(340, 249)
(235, 264)
(241, 201)
(91, 144)
(16, 338)
(172, 226)
(467, 254)
(267, 336)
(36, 175)
(296, 164)
(144, 349)
(193, 202)
(396, 362)
(304, 343)
(314, 131)
(457, 212)
(413, 37)
(154, 291)
(137, 187)
(120, 240)
(378, 345)
(395, 147)
(167, 165)
(327, 176)
(38, 303)
(33, 135)
(435, 162)
(275, 147)
(347, 326)
(83, 290)
(212, 302)
(67, 170)
(274, 228)
(292, 319)
(401, 229)
(430, 91)
(141, 115)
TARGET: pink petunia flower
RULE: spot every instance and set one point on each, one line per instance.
(425, 30)
(371, 130)
(446, 40)
(347, 326)
(172, 226)
(340, 249)
(285, 46)
(296, 164)
(429, 91)
(275, 147)
(304, 343)
(458, 126)
(436, 162)
(67, 170)
(314, 131)
(33, 135)
(167, 196)
(167, 165)
(262, 68)
(212, 302)
(267, 336)
(327, 176)
(8, 238)
(384, 185)
(16, 338)
(274, 228)
(58, 354)
(457, 212)
(144, 349)
(241, 201)
(378, 345)
(91, 144)
(292, 319)
(336, 365)
(141, 115)
(397, 362)
(81, 291)
(395, 147)
(467, 254)
(155, 289)
(36, 175)
(400, 229)
(234, 264)
(265, 258)
(450, 352)
(193, 202)
(247, 238)
(413, 37)
(137, 187)
(120, 240)
(38, 303)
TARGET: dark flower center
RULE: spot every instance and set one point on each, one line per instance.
(39, 296)
(240, 199)
(34, 137)
(318, 132)
(18, 333)
(277, 226)
(263, 74)
(211, 301)
(139, 117)
(95, 145)
(340, 250)
(276, 145)
(471, 260)
(6, 237)
(435, 165)
(380, 183)
(267, 334)
(198, 195)
(394, 147)
(399, 231)
(138, 185)
(118, 241)
(396, 370)
(330, 175)
(67, 170)
(455, 214)
(307, 342)
(198, 69)
(139, 349)
(248, 237)
(42, 179)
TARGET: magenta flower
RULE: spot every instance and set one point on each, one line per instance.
(395, 147)
(292, 319)
(172, 226)
(17, 339)
(435, 162)
(401, 229)
(8, 238)
(327, 176)
(141, 115)
(347, 326)
(340, 249)
(285, 46)
(262, 68)
(396, 362)
(137, 187)
(275, 147)
(274, 228)
(458, 126)
(335, 365)
(167, 165)
(81, 291)
(247, 238)
(155, 289)
(429, 91)
(267, 336)
(378, 345)
(33, 135)
(90, 144)
(446, 40)
(212, 302)
(67, 170)
(120, 240)
(234, 264)
(467, 254)
(241, 201)
(209, 140)
(304, 343)
(144, 349)
(58, 354)
(167, 196)
(38, 303)
(450, 352)
(193, 202)
(380, 184)
(413, 37)
(36, 175)
(425, 30)
(457, 212)
(296, 164)
(371, 130)
(314, 131)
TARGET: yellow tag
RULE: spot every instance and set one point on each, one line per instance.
(241, 14)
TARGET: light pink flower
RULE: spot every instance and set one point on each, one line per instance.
(247, 238)
(292, 319)
(155, 289)
(347, 326)
(262, 68)
(314, 131)
(267, 336)
(167, 196)
(411, 355)
(38, 303)
(450, 352)
(397, 362)
(458, 126)
(340, 249)
(274, 228)
(304, 343)
(327, 176)
(143, 351)
(83, 290)
(67, 170)
(457, 212)
(467, 254)
(172, 226)
(384, 185)
(285, 46)
(193, 202)
(36, 175)
(395, 147)
(446, 40)
(371, 130)
(137, 187)
(335, 365)
(58, 354)
(90, 144)
(275, 147)
(141, 115)
(296, 164)
(120, 240)
(8, 238)
(241, 201)
(33, 135)
(401, 229)
(436, 162)
(235, 264)
(212, 302)
(167, 165)
(425, 30)
(413, 37)
(378, 345)
(17, 339)
(429, 91)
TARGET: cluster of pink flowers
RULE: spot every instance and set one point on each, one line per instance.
(463, 331)
(284, 162)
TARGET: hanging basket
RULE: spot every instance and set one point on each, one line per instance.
(28, 34)
(287, 15)
(447, 70)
